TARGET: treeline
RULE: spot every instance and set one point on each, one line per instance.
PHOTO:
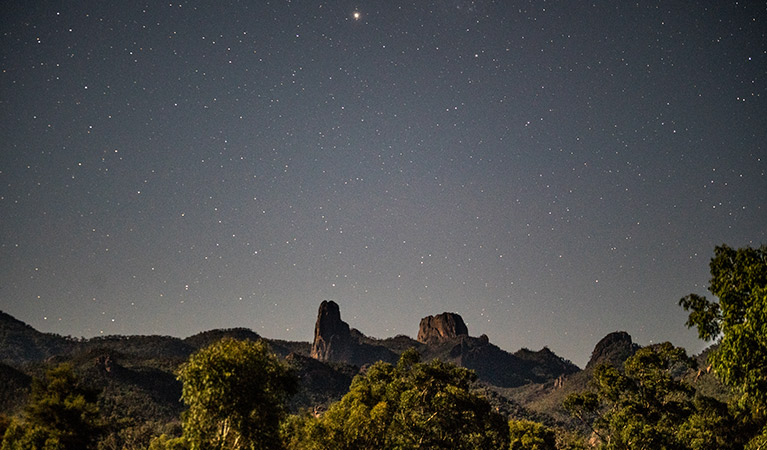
(236, 393)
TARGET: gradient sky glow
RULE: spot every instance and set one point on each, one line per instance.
(552, 171)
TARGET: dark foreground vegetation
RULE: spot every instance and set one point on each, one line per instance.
(238, 394)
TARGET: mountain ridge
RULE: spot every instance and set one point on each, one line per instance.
(136, 373)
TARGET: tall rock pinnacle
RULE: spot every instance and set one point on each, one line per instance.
(331, 334)
(335, 341)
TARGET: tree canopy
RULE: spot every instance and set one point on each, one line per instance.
(236, 392)
(527, 435)
(60, 415)
(648, 406)
(738, 322)
(412, 405)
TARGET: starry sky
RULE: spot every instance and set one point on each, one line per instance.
(551, 170)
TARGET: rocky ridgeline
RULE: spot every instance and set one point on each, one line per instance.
(444, 336)
(144, 366)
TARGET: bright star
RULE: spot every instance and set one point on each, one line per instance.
(356, 15)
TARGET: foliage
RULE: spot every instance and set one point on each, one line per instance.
(164, 442)
(412, 405)
(759, 442)
(15, 388)
(60, 415)
(738, 320)
(570, 440)
(19, 436)
(527, 435)
(236, 392)
(646, 407)
(136, 435)
(710, 427)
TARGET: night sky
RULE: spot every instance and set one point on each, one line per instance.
(552, 171)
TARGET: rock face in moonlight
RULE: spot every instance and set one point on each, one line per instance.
(614, 349)
(335, 341)
(331, 334)
(441, 327)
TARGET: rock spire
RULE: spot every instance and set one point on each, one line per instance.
(331, 334)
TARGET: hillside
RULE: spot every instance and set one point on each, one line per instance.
(136, 374)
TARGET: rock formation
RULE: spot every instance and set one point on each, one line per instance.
(335, 341)
(441, 327)
(613, 349)
(445, 336)
(331, 334)
(105, 364)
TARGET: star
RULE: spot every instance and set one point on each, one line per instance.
(356, 15)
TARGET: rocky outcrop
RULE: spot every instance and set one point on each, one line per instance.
(331, 334)
(446, 337)
(335, 341)
(105, 364)
(440, 328)
(613, 349)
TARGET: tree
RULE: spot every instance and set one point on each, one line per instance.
(711, 426)
(164, 442)
(412, 405)
(60, 415)
(236, 392)
(647, 406)
(527, 435)
(738, 321)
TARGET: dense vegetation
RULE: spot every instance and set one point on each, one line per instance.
(648, 405)
(410, 405)
(236, 393)
(60, 415)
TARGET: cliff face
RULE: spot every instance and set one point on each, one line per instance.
(613, 349)
(440, 328)
(444, 336)
(332, 337)
(335, 341)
